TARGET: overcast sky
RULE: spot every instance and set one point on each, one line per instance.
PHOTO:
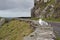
(15, 8)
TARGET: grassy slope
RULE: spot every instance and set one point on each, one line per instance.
(57, 38)
(52, 19)
(15, 30)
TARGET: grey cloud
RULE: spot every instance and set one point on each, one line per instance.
(8, 4)
(15, 8)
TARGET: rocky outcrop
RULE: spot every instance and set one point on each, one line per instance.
(2, 21)
(57, 9)
(43, 8)
(41, 32)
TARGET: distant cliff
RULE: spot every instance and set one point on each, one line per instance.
(46, 8)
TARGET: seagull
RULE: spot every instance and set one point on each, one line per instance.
(41, 22)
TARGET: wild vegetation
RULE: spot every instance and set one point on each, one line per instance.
(15, 30)
(57, 38)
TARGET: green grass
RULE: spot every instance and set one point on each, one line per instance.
(48, 19)
(34, 18)
(57, 38)
(52, 19)
(15, 30)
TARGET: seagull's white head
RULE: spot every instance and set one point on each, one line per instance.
(40, 19)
